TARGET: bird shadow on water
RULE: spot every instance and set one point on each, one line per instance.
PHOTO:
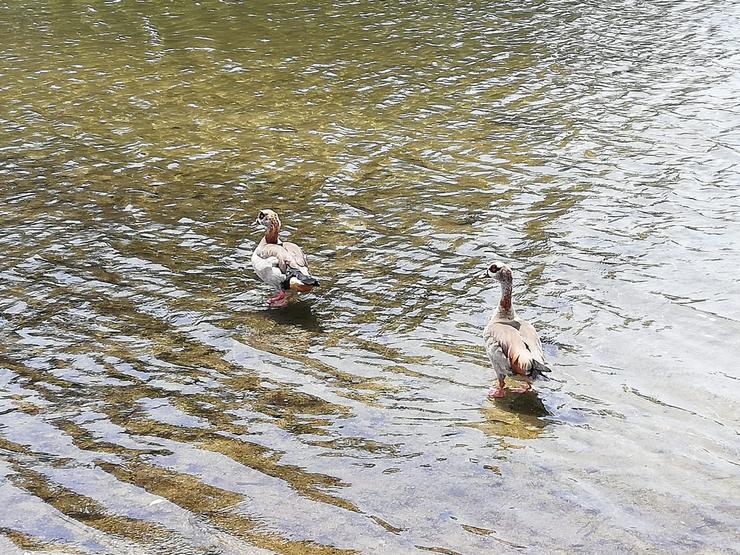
(518, 415)
(299, 314)
(524, 404)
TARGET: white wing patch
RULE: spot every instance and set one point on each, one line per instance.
(267, 269)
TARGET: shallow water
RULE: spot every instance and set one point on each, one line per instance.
(150, 402)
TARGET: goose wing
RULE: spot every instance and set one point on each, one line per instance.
(532, 341)
(506, 334)
(284, 258)
(297, 254)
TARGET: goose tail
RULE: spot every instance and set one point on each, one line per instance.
(299, 281)
(538, 371)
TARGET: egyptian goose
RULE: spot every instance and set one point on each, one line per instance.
(280, 264)
(512, 344)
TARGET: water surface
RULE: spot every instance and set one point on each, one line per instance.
(151, 403)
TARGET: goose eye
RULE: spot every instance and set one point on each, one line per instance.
(261, 215)
(493, 269)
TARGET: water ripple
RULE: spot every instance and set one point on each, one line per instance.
(151, 403)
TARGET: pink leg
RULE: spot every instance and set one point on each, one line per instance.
(278, 300)
(498, 392)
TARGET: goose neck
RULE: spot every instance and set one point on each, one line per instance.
(271, 235)
(504, 305)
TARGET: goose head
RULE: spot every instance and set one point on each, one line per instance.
(268, 219)
(500, 272)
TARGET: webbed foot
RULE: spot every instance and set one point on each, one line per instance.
(497, 393)
(278, 300)
(523, 389)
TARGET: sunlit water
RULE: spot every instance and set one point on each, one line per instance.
(150, 403)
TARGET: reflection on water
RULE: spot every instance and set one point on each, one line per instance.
(151, 403)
